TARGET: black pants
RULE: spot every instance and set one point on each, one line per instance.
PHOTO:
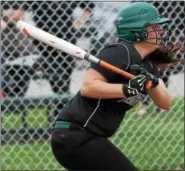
(82, 150)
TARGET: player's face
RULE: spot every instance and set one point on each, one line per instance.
(155, 33)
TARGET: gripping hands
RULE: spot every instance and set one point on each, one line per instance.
(138, 84)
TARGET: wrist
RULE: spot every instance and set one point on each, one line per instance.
(125, 90)
(155, 82)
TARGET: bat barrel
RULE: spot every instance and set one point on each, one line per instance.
(50, 40)
(67, 47)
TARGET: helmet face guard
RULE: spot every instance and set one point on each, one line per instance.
(141, 34)
(162, 39)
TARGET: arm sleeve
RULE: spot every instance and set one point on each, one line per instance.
(116, 55)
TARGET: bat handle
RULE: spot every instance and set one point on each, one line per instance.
(149, 85)
(122, 72)
(113, 68)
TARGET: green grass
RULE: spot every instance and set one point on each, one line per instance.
(157, 141)
(35, 156)
(36, 117)
(152, 142)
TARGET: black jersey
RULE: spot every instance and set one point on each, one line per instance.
(103, 116)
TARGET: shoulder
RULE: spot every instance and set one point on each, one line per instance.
(116, 50)
(114, 54)
(116, 46)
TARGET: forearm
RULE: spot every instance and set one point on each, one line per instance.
(160, 96)
(101, 89)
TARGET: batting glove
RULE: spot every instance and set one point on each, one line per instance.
(137, 70)
(135, 86)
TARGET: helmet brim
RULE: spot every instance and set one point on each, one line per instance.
(159, 21)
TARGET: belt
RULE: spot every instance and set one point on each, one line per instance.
(68, 125)
(62, 124)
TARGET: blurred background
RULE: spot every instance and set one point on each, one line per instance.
(37, 81)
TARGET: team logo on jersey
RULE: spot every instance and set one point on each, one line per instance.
(133, 100)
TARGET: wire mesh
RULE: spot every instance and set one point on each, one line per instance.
(38, 81)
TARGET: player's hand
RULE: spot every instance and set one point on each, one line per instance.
(137, 70)
(135, 86)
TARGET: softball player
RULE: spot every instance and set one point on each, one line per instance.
(79, 139)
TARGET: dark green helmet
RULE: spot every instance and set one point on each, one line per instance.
(135, 18)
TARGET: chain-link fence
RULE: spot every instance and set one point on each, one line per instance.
(38, 80)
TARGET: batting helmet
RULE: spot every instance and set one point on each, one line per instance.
(135, 18)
